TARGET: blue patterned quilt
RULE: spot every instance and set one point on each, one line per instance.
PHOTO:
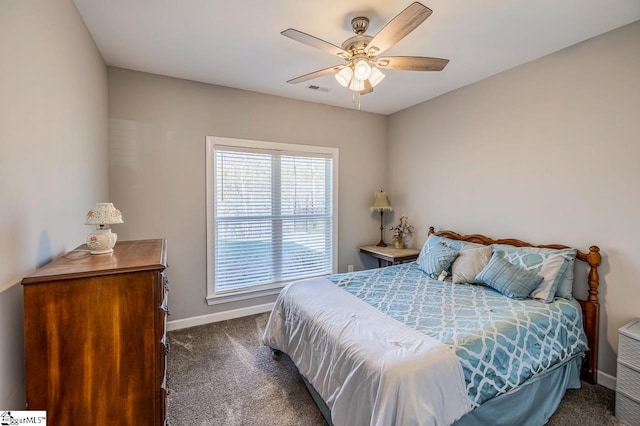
(501, 342)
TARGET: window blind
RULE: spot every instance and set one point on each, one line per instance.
(273, 217)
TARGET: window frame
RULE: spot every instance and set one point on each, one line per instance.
(212, 142)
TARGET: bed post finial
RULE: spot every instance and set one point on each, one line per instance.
(591, 310)
(432, 230)
(594, 258)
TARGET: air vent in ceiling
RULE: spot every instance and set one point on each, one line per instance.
(318, 88)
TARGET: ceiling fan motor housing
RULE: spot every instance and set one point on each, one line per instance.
(360, 24)
(356, 44)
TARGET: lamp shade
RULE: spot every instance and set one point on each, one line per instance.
(104, 214)
(361, 70)
(381, 202)
(356, 85)
(344, 76)
(375, 77)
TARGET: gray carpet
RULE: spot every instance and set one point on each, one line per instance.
(220, 374)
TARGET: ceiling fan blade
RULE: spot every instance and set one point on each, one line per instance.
(368, 88)
(411, 63)
(398, 28)
(312, 41)
(315, 74)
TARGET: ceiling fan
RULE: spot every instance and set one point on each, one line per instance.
(361, 52)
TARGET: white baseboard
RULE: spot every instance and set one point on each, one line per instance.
(606, 380)
(218, 316)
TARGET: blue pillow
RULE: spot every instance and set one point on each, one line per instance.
(507, 278)
(436, 257)
(565, 289)
(453, 244)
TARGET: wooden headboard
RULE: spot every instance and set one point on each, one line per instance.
(590, 307)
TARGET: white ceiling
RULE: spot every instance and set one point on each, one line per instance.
(238, 43)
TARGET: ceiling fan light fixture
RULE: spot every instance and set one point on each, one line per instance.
(344, 76)
(361, 70)
(376, 76)
(356, 85)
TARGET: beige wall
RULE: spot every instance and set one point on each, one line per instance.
(553, 143)
(158, 129)
(546, 152)
(53, 154)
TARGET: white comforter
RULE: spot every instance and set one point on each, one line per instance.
(369, 368)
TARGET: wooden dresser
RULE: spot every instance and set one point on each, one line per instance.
(95, 336)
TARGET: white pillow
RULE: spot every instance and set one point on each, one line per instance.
(470, 262)
(546, 290)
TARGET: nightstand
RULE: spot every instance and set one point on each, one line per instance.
(628, 380)
(390, 254)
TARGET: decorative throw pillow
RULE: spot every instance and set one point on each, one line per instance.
(565, 289)
(508, 279)
(552, 269)
(469, 263)
(532, 259)
(455, 244)
(435, 257)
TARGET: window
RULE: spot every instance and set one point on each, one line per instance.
(270, 216)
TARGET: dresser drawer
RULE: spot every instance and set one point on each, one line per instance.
(628, 381)
(627, 409)
(629, 351)
(629, 344)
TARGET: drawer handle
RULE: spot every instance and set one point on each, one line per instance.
(167, 348)
(165, 281)
(166, 309)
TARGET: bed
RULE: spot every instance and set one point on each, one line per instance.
(405, 345)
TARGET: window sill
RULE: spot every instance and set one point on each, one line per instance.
(250, 294)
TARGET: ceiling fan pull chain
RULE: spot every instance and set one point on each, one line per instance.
(353, 98)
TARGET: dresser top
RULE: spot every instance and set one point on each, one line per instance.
(631, 329)
(127, 256)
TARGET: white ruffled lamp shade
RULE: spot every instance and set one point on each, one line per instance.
(102, 240)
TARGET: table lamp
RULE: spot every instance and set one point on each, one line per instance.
(102, 240)
(381, 203)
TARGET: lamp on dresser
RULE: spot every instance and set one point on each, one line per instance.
(102, 240)
(381, 203)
